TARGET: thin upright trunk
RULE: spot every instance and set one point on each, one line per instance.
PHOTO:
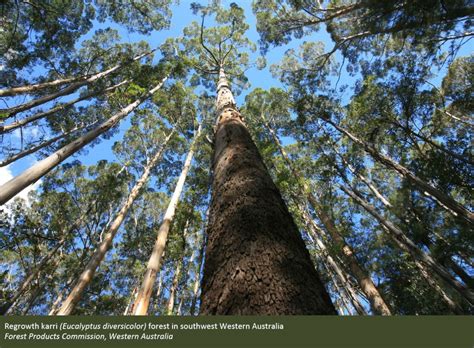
(32, 275)
(342, 303)
(366, 284)
(91, 267)
(132, 299)
(35, 172)
(185, 274)
(156, 297)
(256, 261)
(40, 115)
(440, 197)
(40, 146)
(197, 275)
(424, 271)
(65, 91)
(411, 248)
(174, 287)
(449, 262)
(154, 263)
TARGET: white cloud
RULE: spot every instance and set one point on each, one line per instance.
(6, 175)
(27, 132)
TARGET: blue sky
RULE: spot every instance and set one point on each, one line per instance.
(182, 16)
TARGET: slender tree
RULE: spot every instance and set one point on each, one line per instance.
(154, 263)
(75, 295)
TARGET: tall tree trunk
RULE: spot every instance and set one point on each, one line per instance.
(131, 301)
(91, 267)
(197, 274)
(40, 115)
(34, 296)
(378, 304)
(156, 298)
(448, 262)
(35, 172)
(67, 90)
(434, 284)
(410, 247)
(342, 303)
(32, 275)
(154, 263)
(441, 198)
(256, 261)
(174, 287)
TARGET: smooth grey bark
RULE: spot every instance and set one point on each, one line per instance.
(10, 92)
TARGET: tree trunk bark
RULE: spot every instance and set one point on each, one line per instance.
(40, 115)
(378, 304)
(174, 287)
(90, 269)
(256, 261)
(156, 298)
(411, 248)
(197, 275)
(35, 172)
(65, 91)
(154, 263)
(133, 297)
(441, 198)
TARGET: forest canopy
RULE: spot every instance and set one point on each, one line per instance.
(226, 158)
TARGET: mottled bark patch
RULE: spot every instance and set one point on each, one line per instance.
(256, 261)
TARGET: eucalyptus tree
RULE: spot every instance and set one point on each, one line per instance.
(143, 146)
(256, 261)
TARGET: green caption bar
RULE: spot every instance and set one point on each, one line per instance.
(297, 331)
